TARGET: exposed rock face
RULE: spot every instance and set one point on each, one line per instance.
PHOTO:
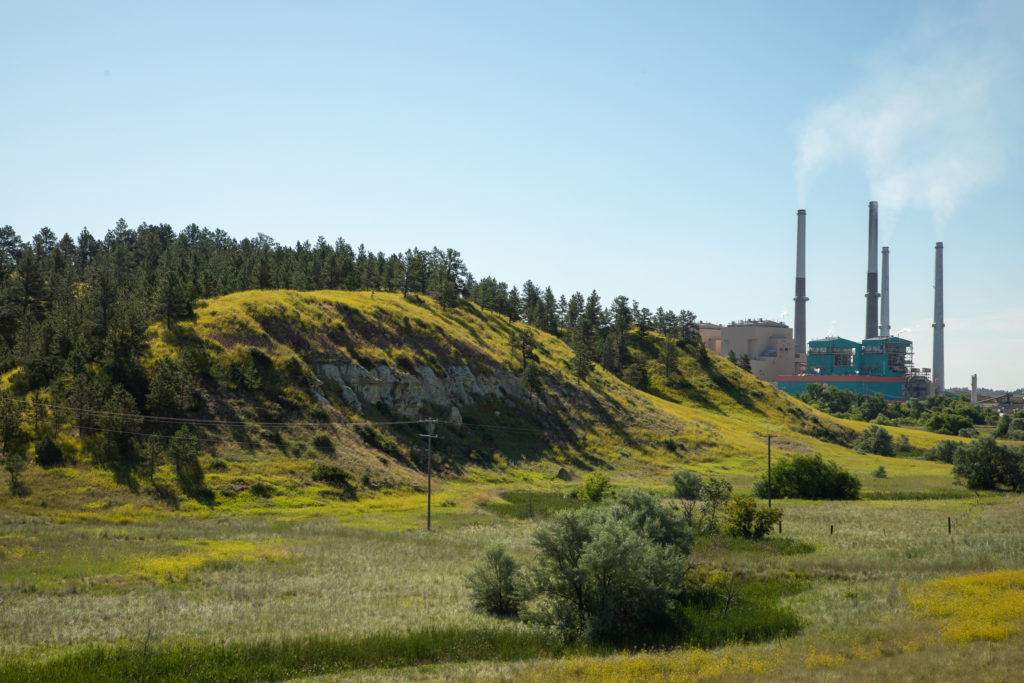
(409, 394)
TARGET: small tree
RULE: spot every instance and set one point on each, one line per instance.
(49, 453)
(743, 518)
(744, 362)
(493, 583)
(595, 487)
(806, 476)
(13, 443)
(985, 464)
(875, 440)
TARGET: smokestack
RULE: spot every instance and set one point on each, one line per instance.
(974, 389)
(938, 353)
(800, 309)
(871, 320)
(885, 293)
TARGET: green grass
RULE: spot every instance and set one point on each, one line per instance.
(529, 504)
(279, 659)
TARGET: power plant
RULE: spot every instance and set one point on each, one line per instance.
(878, 364)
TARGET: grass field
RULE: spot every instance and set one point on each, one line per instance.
(278, 596)
(277, 576)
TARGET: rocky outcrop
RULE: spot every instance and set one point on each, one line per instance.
(411, 394)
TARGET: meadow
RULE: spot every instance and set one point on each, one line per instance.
(333, 593)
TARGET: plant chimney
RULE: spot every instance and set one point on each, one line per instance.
(800, 308)
(884, 325)
(938, 337)
(871, 319)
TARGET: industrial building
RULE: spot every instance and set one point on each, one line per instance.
(880, 363)
(766, 343)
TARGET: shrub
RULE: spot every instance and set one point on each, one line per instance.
(806, 476)
(948, 423)
(218, 465)
(686, 485)
(1002, 426)
(323, 443)
(743, 518)
(610, 574)
(493, 583)
(968, 433)
(943, 451)
(1015, 435)
(984, 464)
(875, 440)
(880, 473)
(372, 437)
(49, 453)
(595, 486)
(332, 475)
(262, 489)
(903, 444)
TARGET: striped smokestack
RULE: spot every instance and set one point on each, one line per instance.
(871, 319)
(884, 324)
(938, 337)
(800, 308)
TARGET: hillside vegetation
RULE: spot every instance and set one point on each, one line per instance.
(306, 399)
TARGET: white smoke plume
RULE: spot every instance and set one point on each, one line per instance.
(902, 331)
(933, 116)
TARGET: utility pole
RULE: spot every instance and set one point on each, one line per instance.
(429, 436)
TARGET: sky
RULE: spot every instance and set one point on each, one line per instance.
(658, 150)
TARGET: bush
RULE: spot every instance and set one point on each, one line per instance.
(493, 584)
(968, 433)
(806, 476)
(948, 423)
(323, 443)
(1015, 435)
(743, 518)
(1002, 426)
(332, 475)
(875, 440)
(595, 486)
(49, 453)
(903, 444)
(372, 437)
(880, 473)
(984, 464)
(943, 451)
(610, 574)
(686, 485)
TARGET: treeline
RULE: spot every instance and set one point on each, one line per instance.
(74, 312)
(941, 414)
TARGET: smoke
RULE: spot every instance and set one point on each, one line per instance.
(902, 331)
(782, 316)
(930, 120)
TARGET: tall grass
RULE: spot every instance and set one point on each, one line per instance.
(279, 659)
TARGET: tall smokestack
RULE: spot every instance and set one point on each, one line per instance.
(885, 293)
(800, 309)
(938, 352)
(871, 320)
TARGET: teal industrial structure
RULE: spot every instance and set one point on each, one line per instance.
(880, 365)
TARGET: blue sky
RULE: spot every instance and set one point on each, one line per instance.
(656, 150)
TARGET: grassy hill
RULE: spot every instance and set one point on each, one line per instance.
(272, 407)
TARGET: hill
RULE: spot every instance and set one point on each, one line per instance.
(301, 399)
